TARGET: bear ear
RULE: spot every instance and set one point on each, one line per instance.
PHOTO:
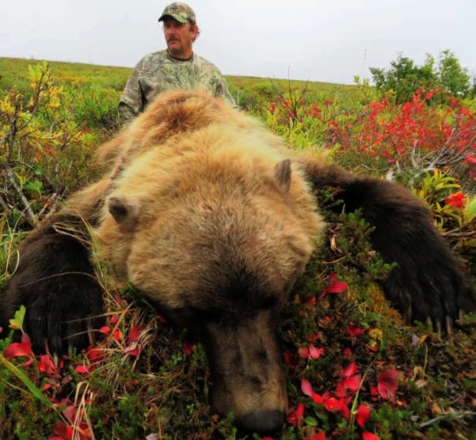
(122, 209)
(282, 174)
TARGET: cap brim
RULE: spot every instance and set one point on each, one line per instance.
(180, 20)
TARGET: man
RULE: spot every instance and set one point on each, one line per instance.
(177, 67)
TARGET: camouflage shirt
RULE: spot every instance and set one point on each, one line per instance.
(158, 72)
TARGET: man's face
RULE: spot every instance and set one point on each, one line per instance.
(179, 37)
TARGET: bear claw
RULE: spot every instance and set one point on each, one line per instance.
(449, 325)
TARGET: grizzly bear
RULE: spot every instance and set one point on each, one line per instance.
(212, 220)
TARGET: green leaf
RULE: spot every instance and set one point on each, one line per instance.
(470, 210)
(310, 421)
(35, 186)
(17, 322)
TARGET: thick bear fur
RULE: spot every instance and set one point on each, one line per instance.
(213, 220)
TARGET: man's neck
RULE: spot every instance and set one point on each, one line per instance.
(179, 58)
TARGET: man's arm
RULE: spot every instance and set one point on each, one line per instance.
(223, 91)
(125, 114)
(131, 102)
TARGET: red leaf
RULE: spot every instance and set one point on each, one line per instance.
(345, 410)
(306, 388)
(334, 286)
(64, 431)
(317, 398)
(332, 404)
(350, 370)
(114, 319)
(17, 349)
(318, 436)
(290, 358)
(84, 432)
(133, 352)
(471, 160)
(341, 390)
(307, 391)
(70, 413)
(82, 369)
(314, 352)
(353, 383)
(46, 365)
(303, 352)
(373, 392)
(337, 287)
(355, 331)
(295, 417)
(105, 330)
(95, 354)
(308, 301)
(370, 436)
(456, 200)
(347, 353)
(117, 335)
(135, 333)
(187, 348)
(388, 384)
(373, 346)
(363, 414)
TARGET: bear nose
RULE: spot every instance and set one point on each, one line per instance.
(263, 422)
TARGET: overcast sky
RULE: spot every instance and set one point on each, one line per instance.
(317, 40)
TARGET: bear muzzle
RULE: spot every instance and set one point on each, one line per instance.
(247, 378)
(264, 422)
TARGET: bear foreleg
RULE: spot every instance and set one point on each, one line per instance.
(55, 281)
(428, 282)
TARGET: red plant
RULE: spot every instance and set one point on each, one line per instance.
(388, 384)
(46, 365)
(20, 349)
(456, 200)
(370, 436)
(363, 414)
(311, 352)
(413, 134)
(295, 417)
(334, 286)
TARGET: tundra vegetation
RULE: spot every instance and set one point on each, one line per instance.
(355, 371)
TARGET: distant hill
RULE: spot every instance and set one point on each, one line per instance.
(15, 70)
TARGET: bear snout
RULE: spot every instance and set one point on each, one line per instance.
(247, 377)
(263, 422)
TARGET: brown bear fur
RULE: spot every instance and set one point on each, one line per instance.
(213, 220)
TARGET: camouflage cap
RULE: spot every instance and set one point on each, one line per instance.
(182, 12)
